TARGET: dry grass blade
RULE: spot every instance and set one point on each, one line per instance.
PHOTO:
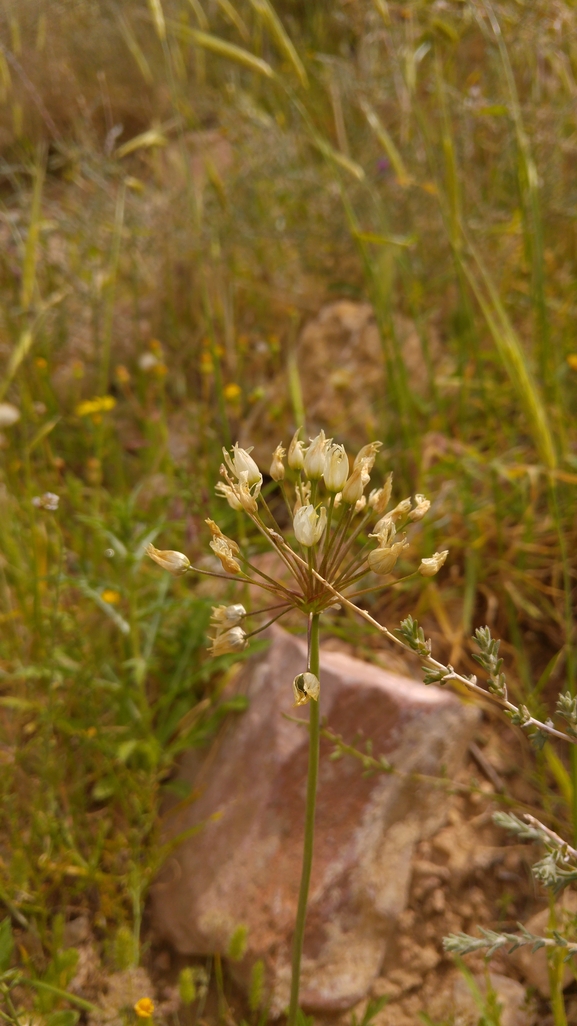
(403, 176)
(158, 18)
(31, 250)
(135, 49)
(232, 15)
(222, 48)
(266, 11)
(146, 140)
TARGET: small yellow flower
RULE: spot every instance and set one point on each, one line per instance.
(231, 392)
(144, 1008)
(110, 596)
(572, 361)
(100, 404)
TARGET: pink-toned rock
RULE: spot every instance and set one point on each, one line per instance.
(243, 866)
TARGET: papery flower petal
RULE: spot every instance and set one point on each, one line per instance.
(241, 462)
(222, 549)
(227, 492)
(277, 470)
(432, 564)
(367, 455)
(314, 463)
(175, 562)
(234, 640)
(306, 686)
(336, 468)
(308, 525)
(296, 452)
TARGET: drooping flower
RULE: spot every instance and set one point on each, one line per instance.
(217, 533)
(224, 617)
(306, 686)
(309, 525)
(367, 455)
(383, 559)
(233, 640)
(222, 549)
(175, 562)
(432, 564)
(229, 494)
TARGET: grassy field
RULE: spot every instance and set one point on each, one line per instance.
(183, 186)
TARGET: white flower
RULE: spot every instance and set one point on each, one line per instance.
(175, 562)
(356, 484)
(224, 617)
(247, 496)
(234, 640)
(421, 507)
(383, 559)
(242, 462)
(336, 468)
(296, 452)
(277, 466)
(308, 525)
(315, 456)
(306, 686)
(47, 501)
(432, 564)
(9, 414)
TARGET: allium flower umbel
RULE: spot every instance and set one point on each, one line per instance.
(340, 530)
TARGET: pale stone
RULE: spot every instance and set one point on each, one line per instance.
(243, 865)
(533, 965)
(510, 996)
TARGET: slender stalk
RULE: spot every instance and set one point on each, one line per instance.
(313, 770)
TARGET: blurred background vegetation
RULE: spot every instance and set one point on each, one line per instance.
(184, 184)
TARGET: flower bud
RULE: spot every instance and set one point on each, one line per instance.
(379, 498)
(356, 484)
(360, 504)
(382, 560)
(234, 640)
(229, 494)
(175, 562)
(309, 525)
(315, 456)
(224, 617)
(306, 686)
(222, 549)
(242, 463)
(421, 507)
(277, 466)
(430, 566)
(296, 452)
(367, 455)
(336, 468)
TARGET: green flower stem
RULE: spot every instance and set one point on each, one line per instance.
(313, 771)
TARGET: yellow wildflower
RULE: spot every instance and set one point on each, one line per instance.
(144, 1008)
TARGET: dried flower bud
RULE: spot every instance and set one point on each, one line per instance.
(379, 498)
(367, 455)
(217, 533)
(336, 468)
(246, 497)
(175, 562)
(421, 507)
(315, 456)
(296, 452)
(277, 466)
(360, 504)
(382, 560)
(303, 496)
(222, 549)
(234, 640)
(306, 686)
(400, 511)
(385, 531)
(229, 494)
(224, 617)
(241, 463)
(356, 484)
(430, 566)
(309, 525)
